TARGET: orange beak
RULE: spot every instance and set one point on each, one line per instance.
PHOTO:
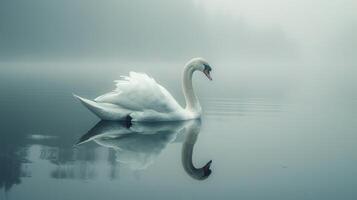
(207, 73)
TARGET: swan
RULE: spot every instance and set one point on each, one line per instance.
(138, 97)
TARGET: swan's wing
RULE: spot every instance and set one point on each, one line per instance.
(139, 92)
(105, 111)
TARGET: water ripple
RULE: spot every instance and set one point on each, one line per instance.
(240, 106)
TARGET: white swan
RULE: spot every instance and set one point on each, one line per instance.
(138, 97)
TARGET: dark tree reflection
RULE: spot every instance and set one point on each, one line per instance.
(13, 157)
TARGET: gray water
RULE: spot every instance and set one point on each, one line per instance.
(276, 138)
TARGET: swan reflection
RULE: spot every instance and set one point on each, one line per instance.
(139, 144)
(187, 150)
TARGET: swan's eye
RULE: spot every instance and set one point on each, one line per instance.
(207, 71)
(207, 67)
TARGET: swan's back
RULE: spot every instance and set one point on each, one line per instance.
(139, 92)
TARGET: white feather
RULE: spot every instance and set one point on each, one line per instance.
(139, 92)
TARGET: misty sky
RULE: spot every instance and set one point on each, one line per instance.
(178, 29)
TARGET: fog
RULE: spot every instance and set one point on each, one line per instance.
(264, 44)
(164, 30)
(279, 116)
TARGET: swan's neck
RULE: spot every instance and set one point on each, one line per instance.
(192, 103)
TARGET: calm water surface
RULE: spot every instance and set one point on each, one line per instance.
(276, 147)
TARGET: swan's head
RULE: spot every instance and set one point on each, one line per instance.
(201, 65)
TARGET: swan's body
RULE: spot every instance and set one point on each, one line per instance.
(139, 97)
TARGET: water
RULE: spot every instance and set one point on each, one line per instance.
(299, 146)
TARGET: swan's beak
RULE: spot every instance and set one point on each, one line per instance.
(207, 73)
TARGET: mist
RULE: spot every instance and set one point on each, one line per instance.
(254, 45)
(278, 120)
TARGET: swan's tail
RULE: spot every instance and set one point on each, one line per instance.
(105, 111)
